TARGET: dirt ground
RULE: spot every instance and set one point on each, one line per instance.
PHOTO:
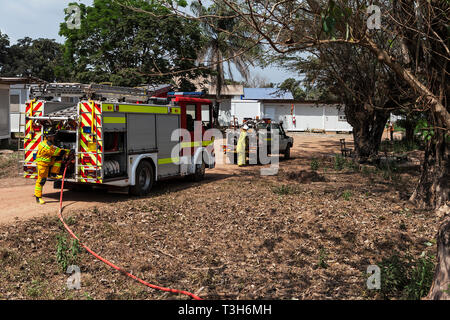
(235, 235)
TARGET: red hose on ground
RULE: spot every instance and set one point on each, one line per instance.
(193, 296)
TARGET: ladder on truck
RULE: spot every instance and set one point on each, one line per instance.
(100, 91)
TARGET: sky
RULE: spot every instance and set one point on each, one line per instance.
(41, 19)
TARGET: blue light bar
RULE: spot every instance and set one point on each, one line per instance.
(196, 94)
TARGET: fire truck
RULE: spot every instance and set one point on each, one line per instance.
(120, 137)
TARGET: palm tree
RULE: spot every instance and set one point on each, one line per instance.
(226, 44)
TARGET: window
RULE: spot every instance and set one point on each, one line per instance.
(14, 102)
(341, 116)
(190, 117)
(14, 99)
(206, 116)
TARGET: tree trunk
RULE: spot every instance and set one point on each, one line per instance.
(432, 190)
(368, 126)
(440, 289)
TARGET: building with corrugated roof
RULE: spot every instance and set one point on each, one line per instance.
(325, 116)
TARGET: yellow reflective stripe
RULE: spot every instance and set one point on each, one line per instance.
(114, 120)
(142, 109)
(196, 144)
(168, 160)
(175, 110)
(191, 144)
(57, 164)
(108, 107)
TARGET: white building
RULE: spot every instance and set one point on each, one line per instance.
(296, 115)
(19, 95)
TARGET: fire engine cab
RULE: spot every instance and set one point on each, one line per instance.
(121, 136)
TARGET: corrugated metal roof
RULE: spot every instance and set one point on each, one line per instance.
(266, 94)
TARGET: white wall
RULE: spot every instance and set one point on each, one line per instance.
(332, 121)
(23, 92)
(245, 109)
(308, 116)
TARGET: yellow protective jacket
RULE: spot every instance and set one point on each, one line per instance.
(241, 145)
(46, 151)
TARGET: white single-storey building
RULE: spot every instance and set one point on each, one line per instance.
(279, 106)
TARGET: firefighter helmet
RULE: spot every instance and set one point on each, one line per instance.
(49, 132)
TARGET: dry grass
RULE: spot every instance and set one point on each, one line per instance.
(9, 165)
(230, 237)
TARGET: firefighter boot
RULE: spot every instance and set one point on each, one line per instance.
(40, 201)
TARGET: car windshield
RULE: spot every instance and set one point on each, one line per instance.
(262, 126)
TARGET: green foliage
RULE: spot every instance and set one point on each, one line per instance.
(4, 45)
(284, 190)
(424, 130)
(323, 256)
(347, 195)
(226, 42)
(406, 277)
(127, 47)
(66, 252)
(35, 289)
(339, 162)
(399, 146)
(315, 164)
(40, 58)
(336, 17)
(294, 87)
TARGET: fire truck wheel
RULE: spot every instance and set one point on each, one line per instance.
(199, 172)
(144, 179)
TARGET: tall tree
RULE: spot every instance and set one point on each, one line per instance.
(366, 89)
(128, 47)
(4, 45)
(39, 58)
(226, 44)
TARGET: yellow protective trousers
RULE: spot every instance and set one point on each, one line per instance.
(56, 168)
(43, 172)
(242, 148)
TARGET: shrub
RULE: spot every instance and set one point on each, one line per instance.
(66, 254)
(346, 195)
(284, 190)
(315, 164)
(323, 256)
(339, 162)
(405, 277)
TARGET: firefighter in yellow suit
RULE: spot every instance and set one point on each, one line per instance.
(242, 146)
(49, 160)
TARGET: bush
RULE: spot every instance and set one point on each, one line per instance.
(346, 195)
(315, 164)
(283, 190)
(66, 254)
(339, 162)
(404, 277)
